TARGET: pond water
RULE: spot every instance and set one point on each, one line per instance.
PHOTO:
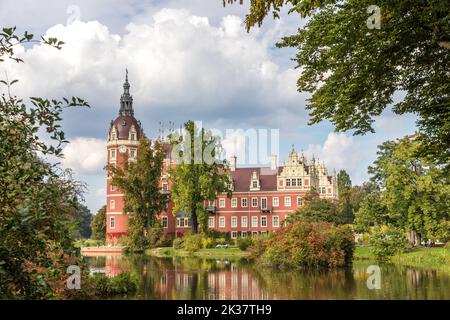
(200, 278)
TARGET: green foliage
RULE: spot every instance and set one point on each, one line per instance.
(244, 243)
(101, 286)
(192, 242)
(139, 181)
(38, 200)
(198, 176)
(306, 244)
(84, 218)
(386, 242)
(98, 224)
(353, 72)
(345, 191)
(317, 209)
(413, 194)
(178, 243)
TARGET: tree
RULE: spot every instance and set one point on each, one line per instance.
(98, 224)
(198, 175)
(84, 218)
(37, 198)
(317, 209)
(414, 194)
(139, 180)
(344, 188)
(353, 68)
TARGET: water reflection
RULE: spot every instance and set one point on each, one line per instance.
(196, 278)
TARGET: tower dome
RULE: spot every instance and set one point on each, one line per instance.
(125, 127)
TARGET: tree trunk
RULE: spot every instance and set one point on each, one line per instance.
(414, 238)
(194, 222)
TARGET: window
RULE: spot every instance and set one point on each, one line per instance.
(288, 182)
(322, 190)
(244, 234)
(275, 221)
(255, 233)
(113, 136)
(244, 222)
(164, 187)
(180, 222)
(222, 222)
(263, 221)
(132, 153)
(299, 182)
(211, 222)
(275, 201)
(112, 222)
(234, 234)
(188, 222)
(263, 203)
(244, 202)
(221, 203)
(212, 203)
(287, 201)
(112, 204)
(164, 222)
(234, 203)
(255, 221)
(254, 202)
(133, 136)
(294, 182)
(255, 184)
(299, 201)
(112, 187)
(113, 154)
(234, 222)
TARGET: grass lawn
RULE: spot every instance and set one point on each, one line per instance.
(425, 258)
(232, 252)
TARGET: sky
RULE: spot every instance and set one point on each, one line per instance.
(187, 59)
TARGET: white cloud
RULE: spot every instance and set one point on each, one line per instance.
(177, 61)
(85, 155)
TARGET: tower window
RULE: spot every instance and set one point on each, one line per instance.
(112, 222)
(164, 222)
(132, 136)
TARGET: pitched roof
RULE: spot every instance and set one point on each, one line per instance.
(267, 177)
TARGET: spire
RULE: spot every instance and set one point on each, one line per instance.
(126, 100)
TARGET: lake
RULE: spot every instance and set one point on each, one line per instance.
(224, 279)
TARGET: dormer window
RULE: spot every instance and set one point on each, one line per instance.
(254, 183)
(113, 135)
(132, 136)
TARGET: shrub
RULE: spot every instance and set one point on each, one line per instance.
(447, 246)
(386, 242)
(306, 244)
(208, 242)
(154, 235)
(244, 243)
(192, 242)
(178, 243)
(165, 241)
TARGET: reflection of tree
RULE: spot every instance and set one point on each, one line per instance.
(197, 278)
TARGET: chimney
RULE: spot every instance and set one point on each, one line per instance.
(233, 163)
(273, 162)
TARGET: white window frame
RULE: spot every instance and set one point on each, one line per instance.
(222, 222)
(286, 202)
(275, 201)
(301, 201)
(222, 203)
(253, 203)
(112, 187)
(165, 220)
(265, 200)
(244, 202)
(234, 221)
(165, 187)
(112, 222)
(113, 154)
(234, 202)
(255, 233)
(288, 183)
(211, 222)
(277, 220)
(112, 204)
(255, 221)
(234, 234)
(244, 234)
(244, 222)
(265, 218)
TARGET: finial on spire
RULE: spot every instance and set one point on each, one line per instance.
(126, 100)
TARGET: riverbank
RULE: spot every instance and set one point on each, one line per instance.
(437, 258)
(218, 253)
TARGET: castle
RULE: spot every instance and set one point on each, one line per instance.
(262, 196)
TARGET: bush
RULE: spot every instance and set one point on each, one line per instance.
(386, 242)
(154, 235)
(178, 243)
(192, 242)
(306, 244)
(244, 243)
(208, 242)
(165, 241)
(447, 246)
